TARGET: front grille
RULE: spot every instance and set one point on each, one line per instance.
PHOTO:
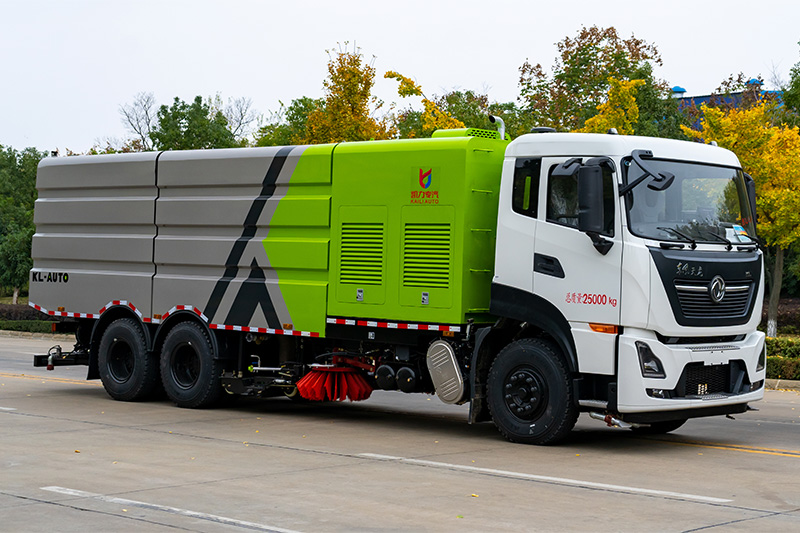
(696, 302)
(702, 380)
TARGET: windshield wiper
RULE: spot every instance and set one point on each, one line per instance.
(744, 247)
(723, 239)
(680, 234)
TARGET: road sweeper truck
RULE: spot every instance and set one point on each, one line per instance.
(536, 279)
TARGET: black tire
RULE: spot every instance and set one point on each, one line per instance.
(530, 393)
(659, 428)
(129, 372)
(189, 372)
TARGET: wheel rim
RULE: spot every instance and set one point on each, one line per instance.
(525, 393)
(185, 367)
(121, 361)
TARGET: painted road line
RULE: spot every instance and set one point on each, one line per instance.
(7, 409)
(734, 448)
(167, 509)
(547, 479)
(48, 378)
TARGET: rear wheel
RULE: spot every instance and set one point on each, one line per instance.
(530, 393)
(659, 428)
(189, 372)
(128, 371)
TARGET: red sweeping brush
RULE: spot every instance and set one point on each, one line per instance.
(334, 383)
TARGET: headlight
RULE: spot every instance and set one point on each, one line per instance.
(648, 362)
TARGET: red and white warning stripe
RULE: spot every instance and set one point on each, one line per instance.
(177, 308)
(195, 310)
(124, 303)
(269, 331)
(392, 325)
(63, 313)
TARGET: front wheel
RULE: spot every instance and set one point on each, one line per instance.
(189, 372)
(530, 393)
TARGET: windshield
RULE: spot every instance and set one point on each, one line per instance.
(705, 203)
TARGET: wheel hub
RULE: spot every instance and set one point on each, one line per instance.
(185, 366)
(120, 361)
(524, 394)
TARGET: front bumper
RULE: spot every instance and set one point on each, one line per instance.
(708, 378)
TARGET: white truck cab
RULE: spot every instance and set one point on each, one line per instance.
(638, 256)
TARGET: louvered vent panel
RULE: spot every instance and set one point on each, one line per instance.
(361, 260)
(426, 255)
(484, 134)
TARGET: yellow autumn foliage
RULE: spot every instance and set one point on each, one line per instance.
(433, 117)
(348, 113)
(771, 155)
(619, 111)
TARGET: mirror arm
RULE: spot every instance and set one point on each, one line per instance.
(601, 244)
(625, 189)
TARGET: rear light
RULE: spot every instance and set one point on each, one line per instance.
(648, 362)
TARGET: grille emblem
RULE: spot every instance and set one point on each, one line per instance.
(716, 289)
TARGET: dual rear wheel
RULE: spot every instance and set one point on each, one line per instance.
(190, 374)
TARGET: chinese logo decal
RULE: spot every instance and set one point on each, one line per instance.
(425, 178)
(424, 195)
(687, 270)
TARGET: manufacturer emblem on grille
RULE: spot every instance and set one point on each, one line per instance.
(716, 289)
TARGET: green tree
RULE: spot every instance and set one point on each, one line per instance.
(473, 109)
(791, 97)
(17, 196)
(421, 123)
(288, 125)
(579, 83)
(197, 125)
(454, 109)
(351, 111)
(660, 114)
(791, 94)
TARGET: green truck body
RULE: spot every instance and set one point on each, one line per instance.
(391, 231)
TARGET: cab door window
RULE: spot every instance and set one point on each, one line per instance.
(562, 200)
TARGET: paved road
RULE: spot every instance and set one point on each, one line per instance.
(71, 459)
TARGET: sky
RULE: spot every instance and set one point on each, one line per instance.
(68, 65)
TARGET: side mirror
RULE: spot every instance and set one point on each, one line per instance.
(591, 218)
(590, 199)
(750, 183)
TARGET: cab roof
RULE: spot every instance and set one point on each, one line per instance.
(594, 144)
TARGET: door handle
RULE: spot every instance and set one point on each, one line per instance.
(547, 265)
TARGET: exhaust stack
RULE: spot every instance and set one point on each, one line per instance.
(501, 128)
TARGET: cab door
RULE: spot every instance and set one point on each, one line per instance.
(569, 272)
(517, 222)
